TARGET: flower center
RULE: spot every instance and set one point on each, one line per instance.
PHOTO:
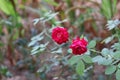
(59, 35)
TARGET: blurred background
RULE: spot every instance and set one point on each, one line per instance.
(87, 17)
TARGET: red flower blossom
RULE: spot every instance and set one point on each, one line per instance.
(60, 35)
(79, 46)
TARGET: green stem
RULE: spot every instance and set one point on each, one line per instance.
(90, 67)
(116, 62)
(94, 51)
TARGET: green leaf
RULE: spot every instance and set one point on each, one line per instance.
(1, 44)
(101, 60)
(112, 24)
(97, 58)
(105, 52)
(116, 46)
(37, 51)
(6, 7)
(110, 69)
(116, 55)
(119, 65)
(87, 59)
(106, 9)
(52, 2)
(59, 51)
(80, 67)
(114, 6)
(73, 60)
(106, 61)
(109, 39)
(92, 44)
(118, 74)
(69, 51)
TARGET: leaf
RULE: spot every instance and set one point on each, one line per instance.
(51, 16)
(69, 51)
(35, 21)
(73, 60)
(116, 46)
(118, 74)
(112, 24)
(119, 65)
(59, 51)
(105, 52)
(92, 44)
(105, 9)
(80, 67)
(59, 22)
(116, 55)
(105, 61)
(38, 37)
(87, 59)
(88, 52)
(38, 48)
(37, 51)
(7, 7)
(109, 39)
(114, 5)
(110, 69)
(35, 48)
(52, 2)
(35, 39)
(101, 60)
(97, 58)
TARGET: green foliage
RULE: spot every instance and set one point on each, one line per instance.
(73, 60)
(108, 39)
(51, 2)
(36, 47)
(97, 59)
(119, 65)
(79, 64)
(58, 51)
(6, 7)
(105, 52)
(116, 55)
(80, 67)
(101, 60)
(4, 71)
(87, 58)
(110, 57)
(39, 48)
(118, 74)
(110, 69)
(108, 9)
(116, 46)
(46, 17)
(112, 24)
(92, 44)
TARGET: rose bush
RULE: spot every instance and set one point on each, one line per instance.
(108, 57)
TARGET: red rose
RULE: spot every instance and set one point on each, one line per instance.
(79, 46)
(60, 35)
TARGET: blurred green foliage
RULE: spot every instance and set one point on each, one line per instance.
(108, 8)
